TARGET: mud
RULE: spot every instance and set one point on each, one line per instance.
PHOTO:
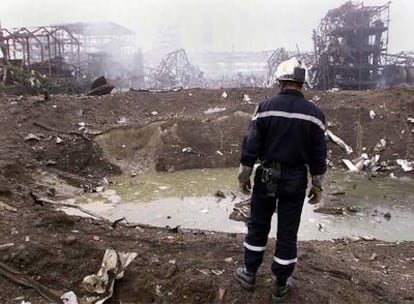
(170, 132)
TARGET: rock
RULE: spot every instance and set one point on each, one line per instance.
(387, 215)
(172, 270)
(220, 194)
(70, 239)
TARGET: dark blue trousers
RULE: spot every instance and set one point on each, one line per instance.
(289, 200)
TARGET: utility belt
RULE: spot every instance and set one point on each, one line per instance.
(270, 176)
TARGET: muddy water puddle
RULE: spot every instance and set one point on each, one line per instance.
(382, 208)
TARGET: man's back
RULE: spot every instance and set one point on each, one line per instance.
(289, 130)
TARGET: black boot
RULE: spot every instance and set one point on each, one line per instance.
(246, 279)
(281, 291)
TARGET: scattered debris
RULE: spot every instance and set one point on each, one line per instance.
(219, 153)
(406, 165)
(229, 260)
(25, 280)
(387, 215)
(246, 98)
(6, 207)
(381, 145)
(217, 272)
(175, 229)
(220, 194)
(100, 87)
(214, 110)
(154, 113)
(5, 246)
(224, 95)
(372, 114)
(69, 298)
(339, 142)
(241, 211)
(32, 136)
(122, 121)
(364, 163)
(59, 140)
(112, 268)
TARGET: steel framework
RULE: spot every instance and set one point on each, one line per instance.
(351, 45)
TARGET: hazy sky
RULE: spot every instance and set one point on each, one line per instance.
(238, 24)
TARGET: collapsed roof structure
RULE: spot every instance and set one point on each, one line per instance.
(66, 49)
(351, 45)
(174, 70)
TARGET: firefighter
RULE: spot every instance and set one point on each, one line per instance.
(287, 137)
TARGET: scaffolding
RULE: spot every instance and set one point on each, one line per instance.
(351, 46)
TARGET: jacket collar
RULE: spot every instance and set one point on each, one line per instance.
(291, 92)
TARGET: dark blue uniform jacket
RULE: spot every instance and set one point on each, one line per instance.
(287, 129)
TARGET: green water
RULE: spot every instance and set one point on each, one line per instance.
(187, 198)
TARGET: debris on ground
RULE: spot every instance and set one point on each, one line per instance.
(100, 86)
(406, 165)
(112, 268)
(339, 142)
(241, 211)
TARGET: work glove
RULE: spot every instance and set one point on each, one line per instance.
(244, 178)
(315, 193)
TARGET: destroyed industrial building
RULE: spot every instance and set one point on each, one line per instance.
(72, 51)
(350, 52)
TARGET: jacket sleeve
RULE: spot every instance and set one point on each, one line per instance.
(317, 162)
(252, 142)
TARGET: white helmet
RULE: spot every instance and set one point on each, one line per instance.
(292, 70)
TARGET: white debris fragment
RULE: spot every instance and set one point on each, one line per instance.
(163, 188)
(112, 268)
(154, 113)
(406, 165)
(204, 210)
(224, 95)
(392, 175)
(410, 119)
(32, 136)
(333, 90)
(351, 167)
(214, 110)
(81, 125)
(372, 114)
(339, 142)
(122, 120)
(158, 290)
(69, 298)
(59, 140)
(99, 189)
(315, 98)
(219, 153)
(6, 207)
(381, 145)
(246, 98)
(187, 150)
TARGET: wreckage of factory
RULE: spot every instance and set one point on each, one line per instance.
(69, 54)
(350, 52)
